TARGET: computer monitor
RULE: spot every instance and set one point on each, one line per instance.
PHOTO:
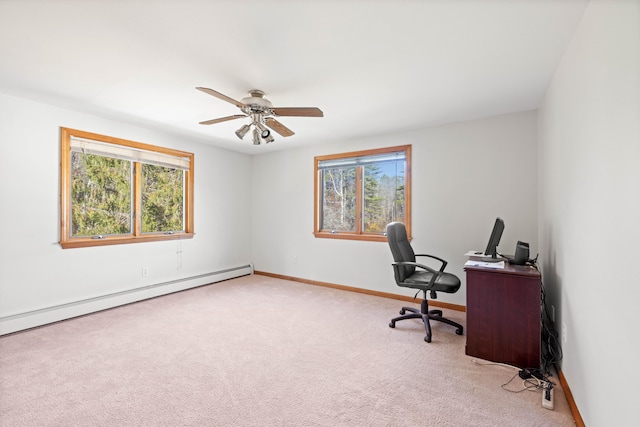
(491, 253)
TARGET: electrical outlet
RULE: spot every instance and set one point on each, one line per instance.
(564, 333)
(145, 271)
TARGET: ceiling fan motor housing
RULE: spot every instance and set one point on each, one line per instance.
(256, 103)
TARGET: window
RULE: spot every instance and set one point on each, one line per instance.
(115, 191)
(357, 194)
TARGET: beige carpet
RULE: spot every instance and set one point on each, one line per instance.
(257, 351)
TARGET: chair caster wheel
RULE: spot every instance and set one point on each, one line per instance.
(458, 331)
(427, 339)
(392, 324)
(402, 312)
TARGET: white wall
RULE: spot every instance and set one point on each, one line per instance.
(464, 176)
(589, 128)
(36, 274)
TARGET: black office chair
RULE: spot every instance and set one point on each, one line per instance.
(410, 274)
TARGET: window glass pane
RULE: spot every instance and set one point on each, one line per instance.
(383, 195)
(162, 199)
(360, 192)
(100, 195)
(339, 199)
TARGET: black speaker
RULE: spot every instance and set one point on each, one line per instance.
(522, 254)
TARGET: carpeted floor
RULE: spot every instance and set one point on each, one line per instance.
(258, 351)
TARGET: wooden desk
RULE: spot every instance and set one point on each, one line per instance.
(503, 315)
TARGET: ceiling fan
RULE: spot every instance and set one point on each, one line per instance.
(261, 112)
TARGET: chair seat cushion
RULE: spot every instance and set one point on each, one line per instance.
(445, 283)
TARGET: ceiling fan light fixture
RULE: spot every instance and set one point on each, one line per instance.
(256, 137)
(269, 138)
(264, 132)
(242, 131)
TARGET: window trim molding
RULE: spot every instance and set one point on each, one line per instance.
(136, 236)
(317, 181)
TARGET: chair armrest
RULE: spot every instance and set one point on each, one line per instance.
(444, 263)
(435, 273)
(415, 264)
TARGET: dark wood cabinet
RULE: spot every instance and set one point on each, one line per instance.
(503, 315)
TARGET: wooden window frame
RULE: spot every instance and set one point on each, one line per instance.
(136, 236)
(359, 234)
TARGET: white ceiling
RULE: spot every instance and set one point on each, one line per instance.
(372, 66)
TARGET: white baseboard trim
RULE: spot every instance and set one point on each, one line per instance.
(46, 315)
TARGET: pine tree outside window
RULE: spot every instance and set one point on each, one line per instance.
(115, 191)
(357, 194)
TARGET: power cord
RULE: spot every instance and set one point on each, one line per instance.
(532, 380)
(551, 348)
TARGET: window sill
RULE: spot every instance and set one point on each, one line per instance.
(121, 240)
(351, 236)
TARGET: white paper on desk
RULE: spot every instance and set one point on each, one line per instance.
(475, 253)
(496, 265)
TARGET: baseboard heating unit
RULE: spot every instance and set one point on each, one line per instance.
(42, 316)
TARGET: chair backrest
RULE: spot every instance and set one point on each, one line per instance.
(400, 249)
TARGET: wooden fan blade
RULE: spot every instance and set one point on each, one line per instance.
(278, 127)
(298, 111)
(222, 119)
(221, 96)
